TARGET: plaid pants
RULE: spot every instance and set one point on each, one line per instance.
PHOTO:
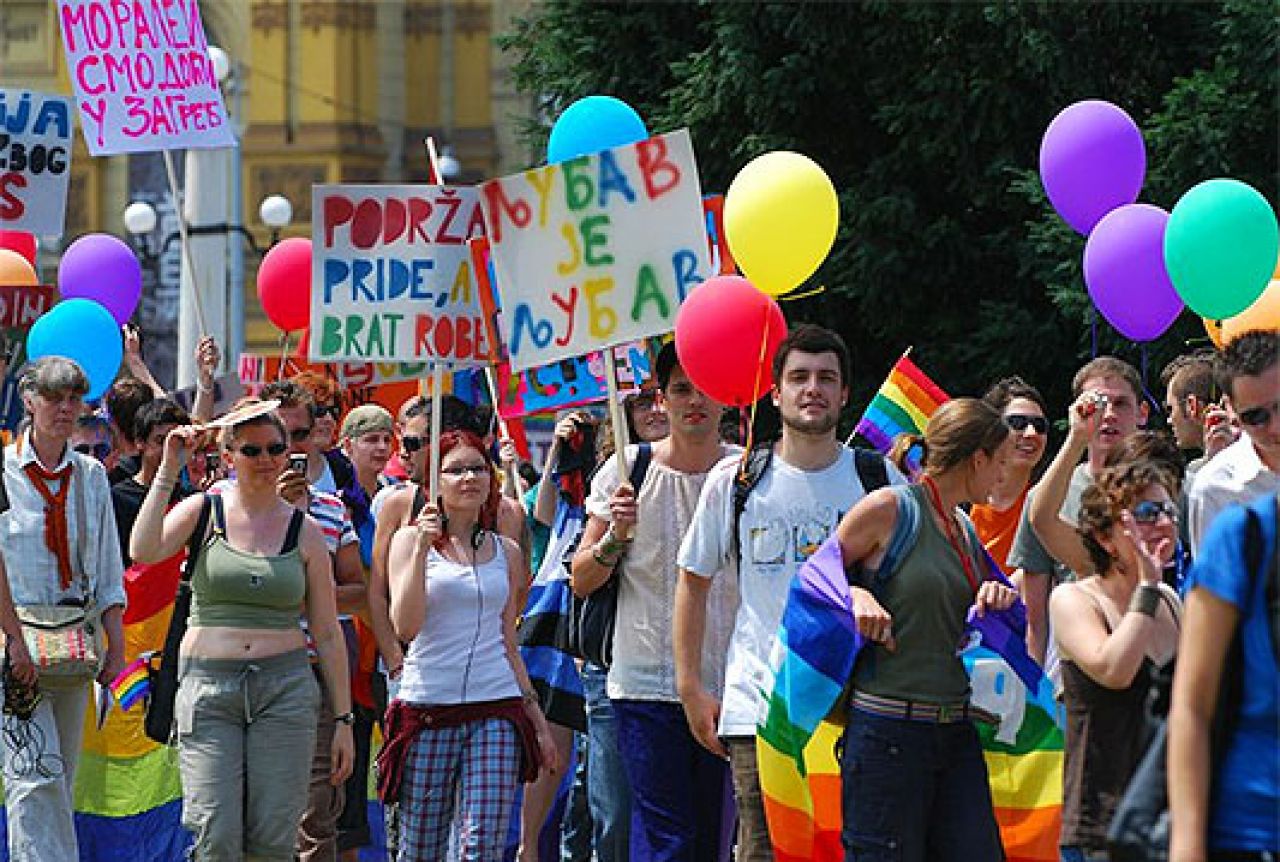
(461, 779)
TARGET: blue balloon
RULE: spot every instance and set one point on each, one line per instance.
(593, 124)
(83, 331)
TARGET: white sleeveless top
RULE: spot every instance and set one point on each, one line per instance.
(458, 655)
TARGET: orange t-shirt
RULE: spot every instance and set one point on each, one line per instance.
(997, 528)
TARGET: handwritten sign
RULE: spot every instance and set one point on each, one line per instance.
(20, 305)
(257, 368)
(598, 250)
(391, 275)
(568, 383)
(35, 161)
(142, 76)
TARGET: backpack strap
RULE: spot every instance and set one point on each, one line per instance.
(872, 472)
(419, 500)
(291, 534)
(754, 465)
(640, 466)
(198, 535)
(219, 516)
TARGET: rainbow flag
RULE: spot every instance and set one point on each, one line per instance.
(814, 657)
(906, 400)
(133, 683)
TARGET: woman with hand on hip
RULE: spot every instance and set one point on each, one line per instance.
(245, 712)
(466, 728)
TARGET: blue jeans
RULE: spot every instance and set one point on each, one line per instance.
(915, 791)
(608, 791)
(575, 825)
(1077, 854)
(683, 793)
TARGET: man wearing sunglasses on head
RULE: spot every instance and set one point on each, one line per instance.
(1249, 374)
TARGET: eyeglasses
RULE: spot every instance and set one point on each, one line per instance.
(412, 443)
(1019, 422)
(301, 435)
(1258, 417)
(273, 450)
(465, 470)
(97, 450)
(333, 411)
(643, 401)
(1149, 511)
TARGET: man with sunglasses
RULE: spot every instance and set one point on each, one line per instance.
(1249, 373)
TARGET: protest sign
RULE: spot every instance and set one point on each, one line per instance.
(257, 368)
(596, 250)
(391, 275)
(142, 76)
(35, 161)
(20, 305)
(568, 383)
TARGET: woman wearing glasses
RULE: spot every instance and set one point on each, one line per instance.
(245, 713)
(465, 729)
(1114, 629)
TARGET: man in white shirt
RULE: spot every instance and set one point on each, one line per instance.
(808, 483)
(1249, 373)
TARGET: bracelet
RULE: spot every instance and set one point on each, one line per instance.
(348, 718)
(1146, 598)
(606, 561)
(529, 697)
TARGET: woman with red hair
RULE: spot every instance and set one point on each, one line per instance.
(466, 727)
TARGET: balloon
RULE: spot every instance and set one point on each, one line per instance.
(593, 124)
(21, 242)
(1263, 314)
(780, 219)
(14, 269)
(284, 284)
(1221, 247)
(1213, 328)
(1092, 160)
(84, 331)
(719, 331)
(100, 267)
(1124, 270)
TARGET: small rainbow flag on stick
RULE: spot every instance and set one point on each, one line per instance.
(133, 683)
(906, 400)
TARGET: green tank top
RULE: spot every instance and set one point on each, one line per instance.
(928, 597)
(235, 589)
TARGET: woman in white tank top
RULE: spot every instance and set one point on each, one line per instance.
(466, 728)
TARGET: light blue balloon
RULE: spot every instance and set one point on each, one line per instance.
(593, 124)
(83, 331)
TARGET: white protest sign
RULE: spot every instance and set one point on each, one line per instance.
(142, 76)
(598, 250)
(391, 275)
(35, 161)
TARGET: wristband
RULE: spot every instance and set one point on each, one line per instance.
(1145, 600)
(608, 561)
(348, 718)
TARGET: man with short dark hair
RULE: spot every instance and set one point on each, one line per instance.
(1198, 422)
(808, 482)
(1249, 374)
(151, 426)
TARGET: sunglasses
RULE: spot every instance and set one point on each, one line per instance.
(300, 435)
(253, 450)
(1149, 511)
(466, 470)
(412, 443)
(1258, 417)
(1019, 422)
(97, 450)
(333, 411)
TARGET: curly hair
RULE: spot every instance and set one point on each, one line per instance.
(324, 389)
(1115, 490)
(1156, 447)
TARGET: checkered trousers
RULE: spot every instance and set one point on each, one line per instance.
(459, 779)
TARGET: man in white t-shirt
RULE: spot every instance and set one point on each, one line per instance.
(808, 483)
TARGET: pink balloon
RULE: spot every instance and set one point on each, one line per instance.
(727, 332)
(284, 284)
(1125, 272)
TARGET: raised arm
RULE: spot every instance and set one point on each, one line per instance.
(157, 536)
(1057, 534)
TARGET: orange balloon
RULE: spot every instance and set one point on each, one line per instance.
(1214, 330)
(16, 269)
(1263, 314)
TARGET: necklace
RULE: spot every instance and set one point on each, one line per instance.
(951, 529)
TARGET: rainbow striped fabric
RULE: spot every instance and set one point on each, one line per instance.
(814, 657)
(903, 405)
(133, 683)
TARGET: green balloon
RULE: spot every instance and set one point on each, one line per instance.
(1220, 247)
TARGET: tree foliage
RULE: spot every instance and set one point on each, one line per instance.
(928, 118)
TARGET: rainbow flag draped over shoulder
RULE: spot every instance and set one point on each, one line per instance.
(903, 405)
(814, 657)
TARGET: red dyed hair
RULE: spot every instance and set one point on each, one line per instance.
(451, 440)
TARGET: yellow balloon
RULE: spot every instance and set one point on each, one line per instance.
(1263, 314)
(780, 218)
(16, 269)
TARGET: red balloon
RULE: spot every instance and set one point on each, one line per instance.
(20, 241)
(284, 284)
(719, 333)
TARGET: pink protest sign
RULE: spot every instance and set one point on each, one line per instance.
(142, 76)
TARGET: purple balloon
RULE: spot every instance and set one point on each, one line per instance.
(100, 267)
(1092, 160)
(1124, 269)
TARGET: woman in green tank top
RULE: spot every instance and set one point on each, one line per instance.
(914, 782)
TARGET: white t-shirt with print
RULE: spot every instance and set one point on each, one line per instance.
(788, 515)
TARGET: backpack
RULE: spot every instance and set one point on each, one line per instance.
(870, 466)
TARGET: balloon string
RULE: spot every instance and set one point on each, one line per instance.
(808, 293)
(284, 355)
(1093, 332)
(749, 442)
